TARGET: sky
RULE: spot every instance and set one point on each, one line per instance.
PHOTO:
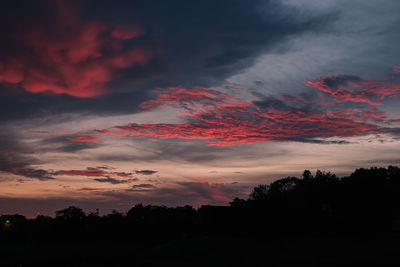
(107, 104)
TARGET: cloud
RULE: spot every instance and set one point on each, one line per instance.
(94, 172)
(141, 188)
(122, 174)
(203, 49)
(196, 193)
(15, 163)
(146, 172)
(63, 54)
(345, 88)
(40, 174)
(18, 165)
(13, 160)
(124, 33)
(37, 174)
(205, 190)
(223, 120)
(88, 172)
(85, 138)
(110, 180)
(78, 57)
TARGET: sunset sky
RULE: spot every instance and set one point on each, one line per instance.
(106, 104)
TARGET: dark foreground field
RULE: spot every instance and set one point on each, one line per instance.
(298, 250)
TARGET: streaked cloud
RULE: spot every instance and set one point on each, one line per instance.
(223, 119)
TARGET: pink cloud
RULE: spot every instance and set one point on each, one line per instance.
(224, 120)
(124, 33)
(68, 55)
(353, 89)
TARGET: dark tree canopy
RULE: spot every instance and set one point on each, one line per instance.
(71, 213)
(259, 193)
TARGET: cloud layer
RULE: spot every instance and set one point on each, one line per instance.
(345, 88)
(223, 119)
(190, 102)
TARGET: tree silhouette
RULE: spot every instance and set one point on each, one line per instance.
(282, 185)
(307, 174)
(238, 202)
(70, 213)
(259, 193)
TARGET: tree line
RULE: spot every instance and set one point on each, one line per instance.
(366, 200)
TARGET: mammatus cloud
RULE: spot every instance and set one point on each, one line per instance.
(223, 119)
(68, 55)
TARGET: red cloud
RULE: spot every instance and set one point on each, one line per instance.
(124, 33)
(186, 97)
(11, 72)
(85, 138)
(225, 120)
(70, 56)
(347, 88)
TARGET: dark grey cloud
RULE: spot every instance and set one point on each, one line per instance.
(281, 104)
(141, 188)
(62, 144)
(28, 172)
(40, 174)
(18, 104)
(17, 159)
(362, 41)
(180, 150)
(320, 141)
(145, 172)
(111, 180)
(104, 167)
(338, 81)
